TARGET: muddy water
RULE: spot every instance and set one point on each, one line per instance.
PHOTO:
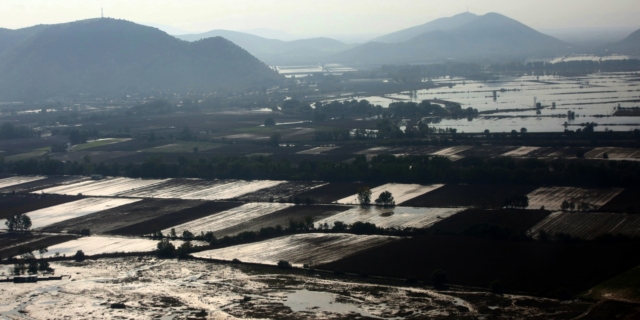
(318, 301)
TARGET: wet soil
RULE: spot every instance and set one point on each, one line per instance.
(521, 220)
(22, 203)
(463, 195)
(334, 191)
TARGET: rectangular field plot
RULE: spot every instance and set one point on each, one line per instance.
(552, 197)
(104, 188)
(452, 152)
(395, 217)
(520, 152)
(614, 153)
(333, 191)
(175, 188)
(47, 182)
(400, 192)
(465, 195)
(589, 225)
(14, 181)
(317, 150)
(123, 216)
(70, 210)
(229, 218)
(232, 190)
(99, 245)
(284, 190)
(299, 249)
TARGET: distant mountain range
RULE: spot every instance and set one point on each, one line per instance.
(108, 55)
(274, 51)
(466, 36)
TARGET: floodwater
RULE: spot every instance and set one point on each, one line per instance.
(592, 98)
(318, 301)
(393, 217)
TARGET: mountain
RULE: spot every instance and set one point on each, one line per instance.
(628, 45)
(272, 34)
(110, 56)
(444, 24)
(274, 51)
(491, 36)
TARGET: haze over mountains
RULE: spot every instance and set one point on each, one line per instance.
(465, 36)
(273, 51)
(108, 55)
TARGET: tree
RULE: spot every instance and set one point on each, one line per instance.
(364, 195)
(385, 199)
(339, 226)
(523, 130)
(79, 256)
(439, 279)
(186, 234)
(18, 222)
(275, 139)
(284, 264)
(184, 249)
(269, 122)
(173, 233)
(166, 249)
(605, 156)
(42, 251)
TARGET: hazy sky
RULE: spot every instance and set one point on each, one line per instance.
(318, 17)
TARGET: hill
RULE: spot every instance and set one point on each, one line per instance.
(111, 56)
(443, 24)
(274, 51)
(628, 45)
(491, 36)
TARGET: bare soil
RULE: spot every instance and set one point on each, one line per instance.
(284, 191)
(530, 266)
(48, 182)
(515, 219)
(463, 195)
(10, 243)
(627, 201)
(175, 218)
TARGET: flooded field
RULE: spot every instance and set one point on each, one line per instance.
(452, 153)
(628, 154)
(47, 216)
(229, 218)
(13, 181)
(106, 187)
(552, 197)
(95, 245)
(396, 217)
(520, 152)
(312, 249)
(178, 289)
(589, 225)
(400, 192)
(592, 97)
(317, 150)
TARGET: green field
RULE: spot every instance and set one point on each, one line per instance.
(97, 143)
(28, 155)
(625, 286)
(183, 146)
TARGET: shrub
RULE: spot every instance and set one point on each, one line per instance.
(79, 256)
(283, 264)
(166, 249)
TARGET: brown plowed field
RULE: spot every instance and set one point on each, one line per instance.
(172, 219)
(462, 195)
(123, 216)
(522, 220)
(334, 191)
(48, 182)
(282, 191)
(530, 266)
(14, 204)
(282, 217)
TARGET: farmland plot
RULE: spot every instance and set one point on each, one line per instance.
(520, 152)
(317, 150)
(48, 182)
(232, 190)
(106, 187)
(452, 152)
(373, 151)
(229, 218)
(614, 153)
(69, 210)
(99, 245)
(284, 190)
(13, 181)
(589, 225)
(395, 217)
(175, 188)
(552, 197)
(313, 248)
(400, 192)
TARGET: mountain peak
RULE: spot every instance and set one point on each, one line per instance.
(444, 24)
